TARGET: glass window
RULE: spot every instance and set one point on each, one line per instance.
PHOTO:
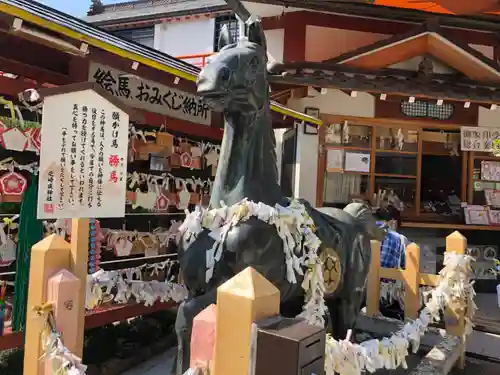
(232, 25)
(341, 188)
(144, 36)
(348, 134)
(397, 164)
(404, 188)
(397, 139)
(441, 182)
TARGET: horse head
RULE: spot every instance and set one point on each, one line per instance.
(235, 79)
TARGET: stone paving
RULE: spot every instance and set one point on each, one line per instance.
(162, 364)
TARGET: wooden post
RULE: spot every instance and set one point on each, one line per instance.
(79, 263)
(47, 257)
(62, 289)
(203, 337)
(411, 277)
(455, 313)
(244, 299)
(373, 287)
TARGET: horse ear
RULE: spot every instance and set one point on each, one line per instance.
(225, 37)
(256, 34)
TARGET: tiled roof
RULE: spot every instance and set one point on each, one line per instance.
(139, 10)
(385, 81)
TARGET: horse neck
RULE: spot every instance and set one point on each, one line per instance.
(247, 163)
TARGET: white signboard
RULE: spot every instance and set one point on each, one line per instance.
(473, 138)
(149, 95)
(83, 157)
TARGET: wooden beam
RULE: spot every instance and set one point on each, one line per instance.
(12, 87)
(14, 48)
(392, 86)
(372, 25)
(294, 42)
(32, 72)
(97, 318)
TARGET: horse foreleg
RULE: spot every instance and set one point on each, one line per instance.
(343, 314)
(186, 313)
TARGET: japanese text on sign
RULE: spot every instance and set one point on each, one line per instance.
(148, 95)
(478, 138)
(83, 170)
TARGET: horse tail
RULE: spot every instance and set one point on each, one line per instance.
(364, 220)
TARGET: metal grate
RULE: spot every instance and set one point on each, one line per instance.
(429, 110)
(440, 112)
(144, 36)
(232, 24)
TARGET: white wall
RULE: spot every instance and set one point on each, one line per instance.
(275, 43)
(278, 134)
(190, 37)
(306, 166)
(488, 118)
(333, 102)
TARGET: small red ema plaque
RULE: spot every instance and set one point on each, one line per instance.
(203, 337)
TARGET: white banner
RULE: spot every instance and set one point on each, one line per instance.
(474, 138)
(83, 157)
(149, 95)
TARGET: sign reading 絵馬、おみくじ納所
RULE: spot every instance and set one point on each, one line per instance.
(480, 139)
(150, 96)
(83, 157)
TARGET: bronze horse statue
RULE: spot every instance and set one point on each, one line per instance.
(235, 82)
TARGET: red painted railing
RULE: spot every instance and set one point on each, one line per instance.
(196, 60)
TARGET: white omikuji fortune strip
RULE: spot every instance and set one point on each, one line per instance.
(294, 224)
(128, 284)
(66, 362)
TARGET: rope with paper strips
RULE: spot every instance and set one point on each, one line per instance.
(294, 224)
(346, 358)
(53, 347)
(128, 283)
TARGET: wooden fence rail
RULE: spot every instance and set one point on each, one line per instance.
(411, 279)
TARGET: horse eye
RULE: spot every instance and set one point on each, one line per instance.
(254, 63)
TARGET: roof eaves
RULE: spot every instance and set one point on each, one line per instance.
(112, 20)
(379, 44)
(72, 27)
(75, 28)
(426, 28)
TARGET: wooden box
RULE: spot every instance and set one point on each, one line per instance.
(289, 346)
